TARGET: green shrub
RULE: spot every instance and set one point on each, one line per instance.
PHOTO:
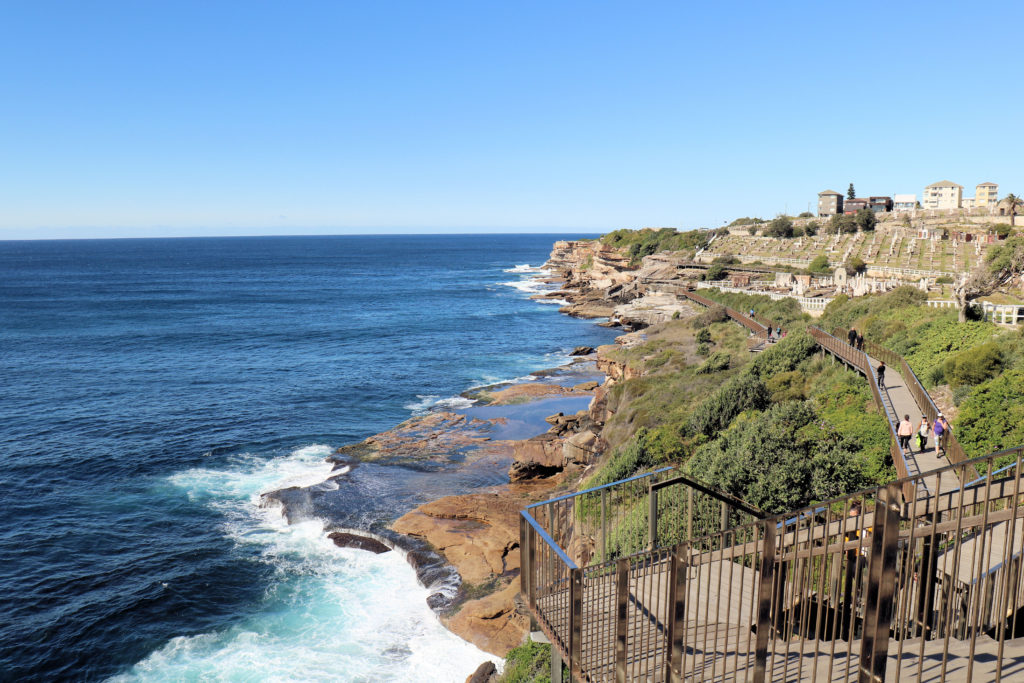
(714, 413)
(784, 355)
(781, 459)
(703, 335)
(710, 315)
(780, 227)
(717, 362)
(855, 265)
(974, 365)
(528, 663)
(703, 349)
(992, 417)
(819, 265)
(715, 271)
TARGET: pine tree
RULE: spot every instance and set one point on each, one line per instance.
(850, 192)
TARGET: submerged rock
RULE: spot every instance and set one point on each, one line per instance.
(345, 539)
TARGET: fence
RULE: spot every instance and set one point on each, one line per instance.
(1007, 314)
(806, 303)
(857, 585)
(950, 444)
(596, 559)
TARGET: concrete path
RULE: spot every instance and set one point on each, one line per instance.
(899, 402)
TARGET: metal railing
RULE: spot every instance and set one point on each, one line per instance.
(859, 360)
(849, 587)
(949, 444)
(585, 552)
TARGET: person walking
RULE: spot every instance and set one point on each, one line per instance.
(880, 371)
(778, 332)
(905, 431)
(939, 430)
(923, 430)
(751, 313)
(852, 337)
(860, 341)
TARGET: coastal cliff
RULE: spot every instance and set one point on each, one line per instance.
(478, 533)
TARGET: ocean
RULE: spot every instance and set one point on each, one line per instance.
(153, 389)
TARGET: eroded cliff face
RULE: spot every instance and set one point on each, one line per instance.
(602, 281)
(478, 533)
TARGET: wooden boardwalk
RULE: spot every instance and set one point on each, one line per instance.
(720, 638)
(899, 401)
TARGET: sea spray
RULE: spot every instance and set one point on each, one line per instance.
(328, 613)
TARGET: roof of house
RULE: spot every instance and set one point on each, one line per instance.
(829, 192)
(988, 184)
(945, 183)
(904, 198)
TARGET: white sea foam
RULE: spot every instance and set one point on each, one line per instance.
(560, 302)
(455, 403)
(524, 268)
(427, 402)
(329, 614)
(529, 286)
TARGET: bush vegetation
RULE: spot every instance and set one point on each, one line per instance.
(647, 241)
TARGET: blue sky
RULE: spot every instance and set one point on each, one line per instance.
(181, 118)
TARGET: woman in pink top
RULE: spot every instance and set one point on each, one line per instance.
(905, 431)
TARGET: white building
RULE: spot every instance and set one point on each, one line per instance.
(943, 195)
(904, 202)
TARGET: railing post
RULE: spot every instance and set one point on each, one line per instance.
(764, 601)
(524, 566)
(575, 619)
(652, 518)
(604, 525)
(621, 617)
(874, 652)
(530, 562)
(680, 561)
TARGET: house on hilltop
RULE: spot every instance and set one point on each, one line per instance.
(830, 203)
(944, 194)
(880, 204)
(851, 206)
(904, 202)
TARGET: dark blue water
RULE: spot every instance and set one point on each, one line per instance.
(151, 387)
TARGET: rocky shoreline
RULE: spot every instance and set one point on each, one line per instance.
(465, 547)
(478, 533)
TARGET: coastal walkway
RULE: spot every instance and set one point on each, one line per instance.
(919, 579)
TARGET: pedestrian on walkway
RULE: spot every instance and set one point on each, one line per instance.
(852, 337)
(880, 371)
(751, 313)
(923, 430)
(939, 430)
(860, 341)
(778, 332)
(905, 431)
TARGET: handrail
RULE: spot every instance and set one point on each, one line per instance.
(547, 539)
(861, 361)
(950, 444)
(598, 488)
(720, 495)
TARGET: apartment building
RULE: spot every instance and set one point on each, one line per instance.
(986, 196)
(830, 203)
(944, 194)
